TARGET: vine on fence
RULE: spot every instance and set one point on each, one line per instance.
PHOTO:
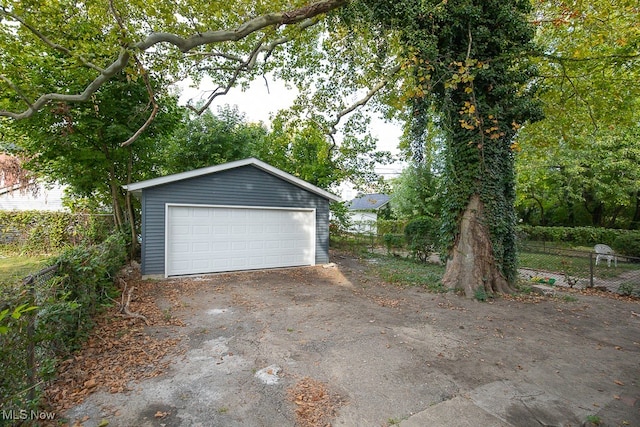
(61, 311)
(48, 232)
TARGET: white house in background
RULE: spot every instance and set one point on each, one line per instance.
(47, 198)
(364, 210)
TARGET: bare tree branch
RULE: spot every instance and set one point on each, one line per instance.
(154, 109)
(145, 77)
(183, 44)
(248, 64)
(580, 98)
(362, 101)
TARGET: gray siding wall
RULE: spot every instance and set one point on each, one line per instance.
(244, 186)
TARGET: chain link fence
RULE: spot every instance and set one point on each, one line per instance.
(35, 283)
(545, 263)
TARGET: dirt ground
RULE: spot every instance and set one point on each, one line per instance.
(335, 345)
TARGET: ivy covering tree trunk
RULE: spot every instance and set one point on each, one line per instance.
(467, 61)
(486, 98)
(455, 66)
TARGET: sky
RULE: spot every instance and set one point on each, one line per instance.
(258, 102)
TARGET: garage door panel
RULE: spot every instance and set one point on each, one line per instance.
(201, 230)
(239, 246)
(256, 245)
(201, 247)
(215, 239)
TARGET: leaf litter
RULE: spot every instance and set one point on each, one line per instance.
(315, 404)
(119, 351)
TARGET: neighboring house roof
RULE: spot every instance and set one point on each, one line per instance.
(137, 187)
(369, 202)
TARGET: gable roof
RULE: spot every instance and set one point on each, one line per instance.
(137, 187)
(369, 202)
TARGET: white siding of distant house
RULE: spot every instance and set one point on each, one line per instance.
(48, 199)
(363, 222)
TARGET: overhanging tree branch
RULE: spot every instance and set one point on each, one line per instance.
(362, 101)
(183, 44)
(248, 64)
(113, 69)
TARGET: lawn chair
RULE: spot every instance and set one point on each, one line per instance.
(605, 252)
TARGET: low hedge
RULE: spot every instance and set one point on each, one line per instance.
(421, 235)
(626, 242)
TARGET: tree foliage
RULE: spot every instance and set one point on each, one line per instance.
(294, 145)
(580, 166)
(416, 193)
(466, 59)
(79, 145)
(210, 139)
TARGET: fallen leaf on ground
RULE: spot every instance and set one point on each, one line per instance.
(316, 405)
(119, 350)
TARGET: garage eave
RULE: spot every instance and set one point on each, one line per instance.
(136, 188)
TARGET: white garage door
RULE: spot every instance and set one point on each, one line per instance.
(209, 239)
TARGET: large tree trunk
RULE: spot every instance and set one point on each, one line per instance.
(471, 267)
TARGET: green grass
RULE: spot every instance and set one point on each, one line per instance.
(15, 268)
(573, 265)
(407, 272)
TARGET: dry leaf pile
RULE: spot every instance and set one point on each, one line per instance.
(387, 302)
(120, 350)
(316, 406)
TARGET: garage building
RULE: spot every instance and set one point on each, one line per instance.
(242, 215)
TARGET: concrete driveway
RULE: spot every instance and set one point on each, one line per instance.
(386, 355)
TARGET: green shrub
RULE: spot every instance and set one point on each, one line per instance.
(340, 220)
(587, 236)
(65, 308)
(87, 274)
(38, 232)
(628, 244)
(393, 242)
(421, 235)
(628, 289)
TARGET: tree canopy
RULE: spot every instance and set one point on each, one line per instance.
(580, 166)
(79, 145)
(467, 68)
